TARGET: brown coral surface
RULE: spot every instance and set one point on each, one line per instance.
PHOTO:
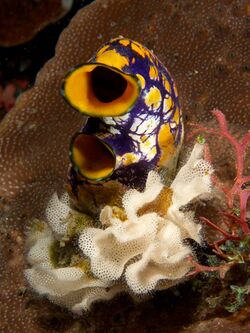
(205, 46)
(21, 20)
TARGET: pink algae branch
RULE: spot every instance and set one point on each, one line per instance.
(198, 268)
(239, 188)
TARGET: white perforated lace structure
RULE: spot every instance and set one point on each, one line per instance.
(135, 252)
(193, 179)
(56, 213)
(112, 248)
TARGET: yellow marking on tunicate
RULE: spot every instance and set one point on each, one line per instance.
(145, 50)
(166, 84)
(153, 72)
(143, 138)
(115, 39)
(166, 144)
(175, 90)
(103, 49)
(133, 60)
(153, 151)
(112, 58)
(135, 47)
(129, 158)
(150, 56)
(167, 104)
(118, 159)
(124, 42)
(176, 116)
(142, 80)
(146, 143)
(153, 98)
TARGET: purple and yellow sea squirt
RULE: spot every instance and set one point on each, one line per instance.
(135, 122)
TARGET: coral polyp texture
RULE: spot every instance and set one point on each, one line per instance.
(137, 248)
(29, 17)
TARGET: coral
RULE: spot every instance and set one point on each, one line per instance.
(127, 251)
(28, 17)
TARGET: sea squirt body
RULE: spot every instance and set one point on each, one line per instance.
(135, 121)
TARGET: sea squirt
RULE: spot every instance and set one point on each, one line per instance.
(135, 122)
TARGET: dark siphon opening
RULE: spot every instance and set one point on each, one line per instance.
(107, 85)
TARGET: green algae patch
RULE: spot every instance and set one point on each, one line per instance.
(77, 222)
(61, 255)
(239, 294)
(64, 252)
(66, 255)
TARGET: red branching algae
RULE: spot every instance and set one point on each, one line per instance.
(238, 228)
(198, 268)
(238, 189)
